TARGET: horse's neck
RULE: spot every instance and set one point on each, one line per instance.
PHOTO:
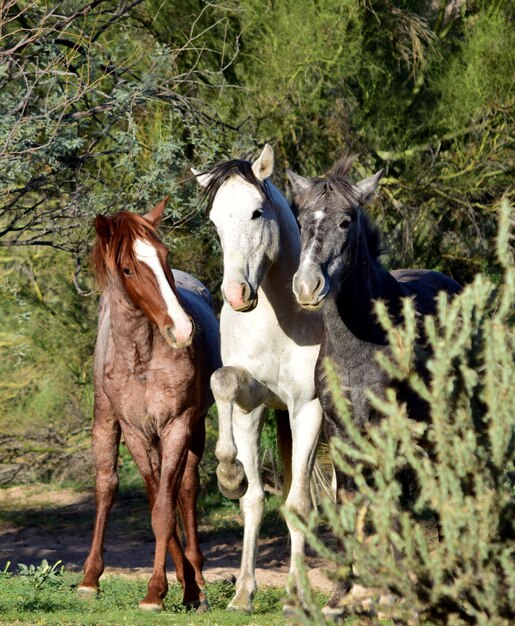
(277, 284)
(131, 331)
(366, 282)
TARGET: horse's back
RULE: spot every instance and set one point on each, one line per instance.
(198, 303)
(424, 286)
(191, 284)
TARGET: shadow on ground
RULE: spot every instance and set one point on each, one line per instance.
(37, 522)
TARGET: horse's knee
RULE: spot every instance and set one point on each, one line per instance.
(299, 503)
(225, 382)
(106, 483)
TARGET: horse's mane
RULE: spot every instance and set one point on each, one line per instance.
(108, 256)
(223, 171)
(335, 181)
(370, 232)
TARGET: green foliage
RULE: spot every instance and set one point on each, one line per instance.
(42, 574)
(5, 573)
(46, 348)
(478, 76)
(462, 459)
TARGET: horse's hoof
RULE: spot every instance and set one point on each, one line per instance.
(199, 606)
(233, 494)
(334, 612)
(241, 608)
(87, 593)
(151, 606)
(203, 606)
(232, 481)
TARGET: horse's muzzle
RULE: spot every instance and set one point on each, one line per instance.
(240, 296)
(250, 305)
(310, 294)
(178, 342)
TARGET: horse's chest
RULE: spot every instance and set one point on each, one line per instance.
(357, 371)
(146, 397)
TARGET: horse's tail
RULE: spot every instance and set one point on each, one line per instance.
(284, 445)
(322, 476)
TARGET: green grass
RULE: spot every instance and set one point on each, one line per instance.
(56, 602)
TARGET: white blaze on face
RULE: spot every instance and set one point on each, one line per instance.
(307, 256)
(240, 235)
(146, 253)
(306, 280)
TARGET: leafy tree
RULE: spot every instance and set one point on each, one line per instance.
(423, 89)
(98, 114)
(46, 348)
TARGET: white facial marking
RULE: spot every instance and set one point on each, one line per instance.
(231, 213)
(318, 215)
(234, 195)
(146, 253)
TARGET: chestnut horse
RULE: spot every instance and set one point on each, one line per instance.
(157, 346)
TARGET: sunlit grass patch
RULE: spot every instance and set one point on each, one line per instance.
(56, 602)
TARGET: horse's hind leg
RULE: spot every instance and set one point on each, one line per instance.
(105, 442)
(193, 579)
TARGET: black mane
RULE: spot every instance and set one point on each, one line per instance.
(223, 171)
(336, 181)
(371, 234)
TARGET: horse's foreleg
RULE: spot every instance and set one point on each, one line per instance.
(230, 386)
(247, 430)
(105, 441)
(305, 426)
(174, 444)
(149, 464)
(194, 583)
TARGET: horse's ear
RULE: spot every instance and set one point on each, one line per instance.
(264, 164)
(155, 215)
(367, 187)
(299, 184)
(103, 227)
(202, 179)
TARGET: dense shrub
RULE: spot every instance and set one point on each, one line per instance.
(462, 459)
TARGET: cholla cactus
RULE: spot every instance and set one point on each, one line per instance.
(463, 463)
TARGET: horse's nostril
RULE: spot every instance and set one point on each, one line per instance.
(169, 332)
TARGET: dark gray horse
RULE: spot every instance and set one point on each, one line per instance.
(340, 267)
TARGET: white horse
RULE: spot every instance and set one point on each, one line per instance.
(269, 349)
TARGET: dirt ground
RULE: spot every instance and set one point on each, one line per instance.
(38, 522)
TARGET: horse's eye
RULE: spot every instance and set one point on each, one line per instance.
(127, 271)
(257, 213)
(345, 223)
